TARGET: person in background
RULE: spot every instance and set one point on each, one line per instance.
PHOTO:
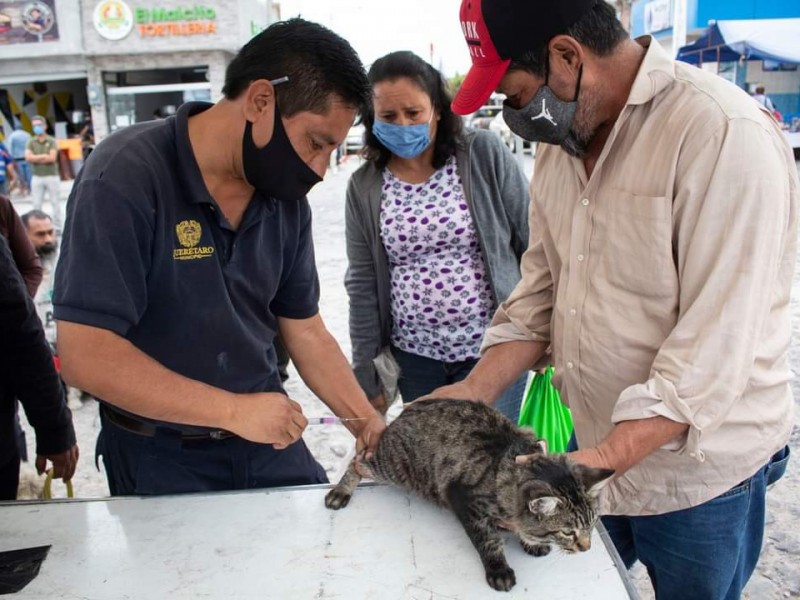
(7, 172)
(761, 97)
(17, 142)
(27, 375)
(44, 238)
(87, 135)
(13, 230)
(188, 248)
(42, 235)
(436, 223)
(659, 277)
(42, 154)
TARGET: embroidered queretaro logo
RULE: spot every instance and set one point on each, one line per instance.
(189, 233)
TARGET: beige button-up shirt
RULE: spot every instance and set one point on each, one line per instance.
(662, 283)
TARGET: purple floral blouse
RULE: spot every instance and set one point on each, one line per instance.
(441, 297)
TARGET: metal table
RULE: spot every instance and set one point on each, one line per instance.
(282, 544)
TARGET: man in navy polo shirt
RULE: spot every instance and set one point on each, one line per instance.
(187, 248)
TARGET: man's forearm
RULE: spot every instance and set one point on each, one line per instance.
(110, 367)
(501, 365)
(630, 442)
(324, 368)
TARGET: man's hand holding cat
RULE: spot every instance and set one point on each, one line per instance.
(370, 433)
(630, 442)
(591, 457)
(267, 418)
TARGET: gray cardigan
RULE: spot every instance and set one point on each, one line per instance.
(497, 196)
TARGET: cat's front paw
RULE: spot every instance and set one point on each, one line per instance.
(536, 549)
(501, 578)
(336, 499)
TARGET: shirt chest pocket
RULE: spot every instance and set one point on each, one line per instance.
(634, 244)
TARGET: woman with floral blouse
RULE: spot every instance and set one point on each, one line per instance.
(436, 224)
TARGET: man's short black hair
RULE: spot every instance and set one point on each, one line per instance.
(35, 214)
(404, 64)
(599, 30)
(317, 62)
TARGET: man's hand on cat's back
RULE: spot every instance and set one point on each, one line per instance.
(267, 418)
(455, 391)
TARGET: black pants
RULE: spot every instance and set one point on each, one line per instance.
(9, 478)
(166, 464)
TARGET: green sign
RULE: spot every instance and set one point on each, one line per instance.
(181, 13)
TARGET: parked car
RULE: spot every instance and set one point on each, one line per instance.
(481, 118)
(354, 140)
(501, 128)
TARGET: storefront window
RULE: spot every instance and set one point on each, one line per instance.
(137, 96)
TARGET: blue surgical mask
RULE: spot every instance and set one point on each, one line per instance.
(406, 141)
(38, 129)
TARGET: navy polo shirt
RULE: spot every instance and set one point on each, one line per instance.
(147, 254)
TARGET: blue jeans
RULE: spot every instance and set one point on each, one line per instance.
(419, 376)
(166, 464)
(24, 168)
(707, 552)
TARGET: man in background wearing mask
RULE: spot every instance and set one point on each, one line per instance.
(187, 249)
(42, 155)
(663, 241)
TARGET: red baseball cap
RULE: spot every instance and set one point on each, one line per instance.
(499, 30)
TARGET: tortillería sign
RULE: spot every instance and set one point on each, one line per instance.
(181, 20)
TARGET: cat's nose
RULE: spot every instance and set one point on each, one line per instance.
(584, 542)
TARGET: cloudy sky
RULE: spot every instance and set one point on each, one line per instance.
(376, 27)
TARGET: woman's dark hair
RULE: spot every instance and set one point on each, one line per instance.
(404, 64)
(317, 62)
(599, 30)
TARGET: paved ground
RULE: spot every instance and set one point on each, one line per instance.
(778, 574)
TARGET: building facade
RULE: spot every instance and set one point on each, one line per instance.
(120, 61)
(677, 22)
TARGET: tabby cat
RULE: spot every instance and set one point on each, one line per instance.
(468, 457)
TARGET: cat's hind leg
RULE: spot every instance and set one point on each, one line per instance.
(474, 516)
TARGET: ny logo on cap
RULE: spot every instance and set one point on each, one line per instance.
(470, 31)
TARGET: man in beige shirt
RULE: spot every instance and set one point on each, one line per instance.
(663, 242)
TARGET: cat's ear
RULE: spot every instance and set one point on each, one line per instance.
(593, 479)
(545, 506)
(539, 498)
(524, 459)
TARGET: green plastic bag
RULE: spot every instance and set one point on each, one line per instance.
(543, 411)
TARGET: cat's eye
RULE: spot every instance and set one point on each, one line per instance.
(568, 533)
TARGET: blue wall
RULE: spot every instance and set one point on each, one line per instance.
(744, 9)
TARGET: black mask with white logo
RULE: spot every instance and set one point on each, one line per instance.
(276, 170)
(546, 118)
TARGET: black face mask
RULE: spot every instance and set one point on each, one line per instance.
(276, 170)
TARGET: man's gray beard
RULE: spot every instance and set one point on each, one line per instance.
(575, 145)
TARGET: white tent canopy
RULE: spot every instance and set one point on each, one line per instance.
(759, 39)
(778, 39)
